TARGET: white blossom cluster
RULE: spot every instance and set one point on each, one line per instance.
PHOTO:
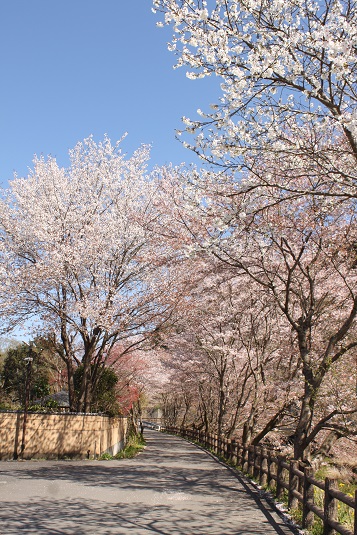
(283, 64)
(76, 247)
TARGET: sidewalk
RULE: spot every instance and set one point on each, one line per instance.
(172, 488)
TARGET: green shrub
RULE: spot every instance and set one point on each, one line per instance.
(50, 405)
(134, 445)
(106, 457)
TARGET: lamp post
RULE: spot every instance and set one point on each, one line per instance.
(29, 361)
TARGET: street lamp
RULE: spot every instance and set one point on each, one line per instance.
(28, 361)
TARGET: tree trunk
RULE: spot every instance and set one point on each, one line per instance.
(301, 444)
(221, 408)
(66, 356)
(331, 438)
(70, 381)
(248, 429)
(301, 450)
(269, 426)
(85, 392)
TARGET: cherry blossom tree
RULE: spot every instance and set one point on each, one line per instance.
(295, 253)
(289, 75)
(231, 372)
(141, 376)
(79, 259)
(300, 253)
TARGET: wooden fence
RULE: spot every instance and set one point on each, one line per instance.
(289, 476)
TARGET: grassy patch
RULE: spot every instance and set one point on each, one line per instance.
(346, 484)
(135, 444)
(106, 457)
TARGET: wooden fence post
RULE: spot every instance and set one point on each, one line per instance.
(215, 448)
(211, 441)
(293, 502)
(251, 460)
(301, 467)
(256, 460)
(308, 494)
(263, 479)
(224, 447)
(330, 506)
(245, 459)
(271, 471)
(229, 450)
(234, 455)
(279, 477)
(240, 455)
(220, 445)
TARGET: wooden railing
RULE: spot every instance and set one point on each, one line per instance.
(283, 475)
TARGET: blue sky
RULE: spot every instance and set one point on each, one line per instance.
(71, 68)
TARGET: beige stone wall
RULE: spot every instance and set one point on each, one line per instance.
(56, 436)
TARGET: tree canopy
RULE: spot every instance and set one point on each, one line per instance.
(289, 85)
(77, 254)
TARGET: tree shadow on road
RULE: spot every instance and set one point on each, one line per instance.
(79, 517)
(173, 488)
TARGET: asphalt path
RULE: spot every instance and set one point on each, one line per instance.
(171, 488)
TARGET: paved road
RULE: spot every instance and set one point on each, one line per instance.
(172, 488)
